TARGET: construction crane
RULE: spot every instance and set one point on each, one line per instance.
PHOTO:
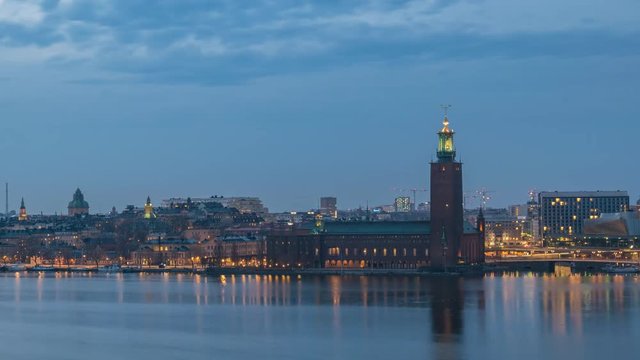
(413, 194)
(483, 195)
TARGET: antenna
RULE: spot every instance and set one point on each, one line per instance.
(445, 108)
(483, 195)
(6, 200)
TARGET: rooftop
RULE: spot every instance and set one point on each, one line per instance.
(597, 193)
(378, 227)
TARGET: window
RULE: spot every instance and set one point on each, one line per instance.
(384, 252)
(395, 252)
(364, 251)
(415, 252)
(375, 251)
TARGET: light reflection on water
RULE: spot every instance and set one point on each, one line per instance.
(526, 315)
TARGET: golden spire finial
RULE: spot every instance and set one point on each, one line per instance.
(445, 122)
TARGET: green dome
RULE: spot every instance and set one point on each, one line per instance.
(78, 201)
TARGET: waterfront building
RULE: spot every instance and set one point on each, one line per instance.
(447, 212)
(23, 212)
(562, 214)
(619, 230)
(329, 206)
(172, 252)
(234, 250)
(402, 204)
(504, 229)
(78, 206)
(441, 243)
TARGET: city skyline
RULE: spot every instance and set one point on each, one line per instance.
(268, 101)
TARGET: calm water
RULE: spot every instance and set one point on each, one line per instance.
(79, 316)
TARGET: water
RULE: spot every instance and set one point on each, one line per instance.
(127, 316)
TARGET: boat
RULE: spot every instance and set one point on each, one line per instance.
(81, 269)
(41, 268)
(110, 268)
(16, 267)
(621, 269)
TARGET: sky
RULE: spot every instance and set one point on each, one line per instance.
(293, 100)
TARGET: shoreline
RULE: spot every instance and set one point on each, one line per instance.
(461, 271)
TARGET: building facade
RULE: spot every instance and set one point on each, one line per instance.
(443, 242)
(446, 202)
(329, 206)
(562, 214)
(402, 204)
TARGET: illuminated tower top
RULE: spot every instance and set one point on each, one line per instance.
(22, 216)
(446, 149)
(148, 209)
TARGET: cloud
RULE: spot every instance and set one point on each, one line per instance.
(21, 12)
(207, 47)
(197, 40)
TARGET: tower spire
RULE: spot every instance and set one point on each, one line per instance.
(148, 209)
(446, 150)
(22, 216)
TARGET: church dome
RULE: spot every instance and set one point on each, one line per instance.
(78, 201)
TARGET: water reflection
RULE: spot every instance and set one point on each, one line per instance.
(447, 304)
(438, 317)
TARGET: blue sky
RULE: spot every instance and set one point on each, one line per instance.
(292, 100)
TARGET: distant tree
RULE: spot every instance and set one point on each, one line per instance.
(129, 235)
(196, 254)
(67, 255)
(31, 249)
(95, 254)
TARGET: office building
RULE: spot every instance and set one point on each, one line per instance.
(402, 204)
(562, 214)
(329, 206)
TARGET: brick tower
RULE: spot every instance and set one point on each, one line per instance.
(446, 203)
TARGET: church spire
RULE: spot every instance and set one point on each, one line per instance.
(22, 216)
(148, 209)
